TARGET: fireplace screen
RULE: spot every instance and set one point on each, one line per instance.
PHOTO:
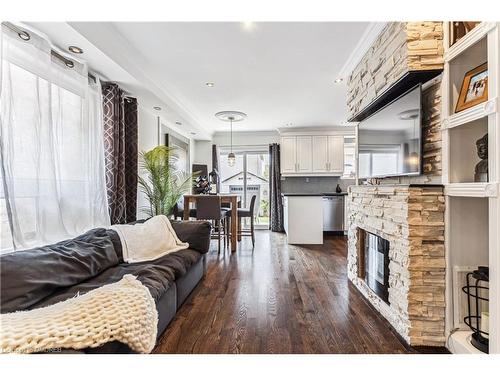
(374, 256)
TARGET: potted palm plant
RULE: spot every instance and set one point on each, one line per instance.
(163, 183)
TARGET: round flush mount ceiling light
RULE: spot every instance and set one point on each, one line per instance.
(210, 84)
(157, 108)
(75, 49)
(338, 80)
(231, 116)
(248, 26)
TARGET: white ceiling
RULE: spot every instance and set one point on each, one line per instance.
(276, 72)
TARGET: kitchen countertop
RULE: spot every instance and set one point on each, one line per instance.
(312, 194)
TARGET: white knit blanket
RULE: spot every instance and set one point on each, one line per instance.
(122, 311)
(149, 240)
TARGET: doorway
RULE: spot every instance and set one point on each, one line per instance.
(248, 177)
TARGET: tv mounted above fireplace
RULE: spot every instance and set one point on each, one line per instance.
(389, 141)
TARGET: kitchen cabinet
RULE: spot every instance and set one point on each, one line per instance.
(312, 155)
(320, 154)
(285, 214)
(303, 219)
(304, 154)
(336, 154)
(296, 154)
(288, 158)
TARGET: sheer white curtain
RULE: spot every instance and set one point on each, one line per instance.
(51, 146)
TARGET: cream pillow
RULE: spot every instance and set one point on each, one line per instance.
(149, 240)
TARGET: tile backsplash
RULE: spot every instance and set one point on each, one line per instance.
(313, 184)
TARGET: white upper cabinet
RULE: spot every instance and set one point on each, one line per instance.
(288, 150)
(316, 154)
(320, 153)
(336, 154)
(304, 154)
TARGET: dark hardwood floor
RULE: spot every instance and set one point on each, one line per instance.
(278, 298)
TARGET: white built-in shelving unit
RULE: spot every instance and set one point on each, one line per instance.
(472, 208)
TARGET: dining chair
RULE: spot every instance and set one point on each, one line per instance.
(242, 213)
(209, 208)
(178, 211)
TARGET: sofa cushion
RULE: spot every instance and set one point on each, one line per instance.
(195, 233)
(30, 276)
(156, 275)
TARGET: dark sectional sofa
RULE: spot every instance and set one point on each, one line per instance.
(50, 274)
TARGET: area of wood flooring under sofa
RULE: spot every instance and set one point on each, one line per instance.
(278, 298)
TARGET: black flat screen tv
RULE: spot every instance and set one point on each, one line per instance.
(390, 140)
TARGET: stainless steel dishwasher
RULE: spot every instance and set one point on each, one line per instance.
(333, 213)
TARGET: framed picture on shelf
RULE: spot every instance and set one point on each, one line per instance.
(458, 29)
(474, 88)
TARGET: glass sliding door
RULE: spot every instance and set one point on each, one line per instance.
(248, 177)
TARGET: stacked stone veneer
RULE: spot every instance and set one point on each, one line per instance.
(411, 218)
(431, 130)
(401, 47)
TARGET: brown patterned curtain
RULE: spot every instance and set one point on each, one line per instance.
(276, 203)
(120, 148)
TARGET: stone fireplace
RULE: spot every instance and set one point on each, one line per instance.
(407, 222)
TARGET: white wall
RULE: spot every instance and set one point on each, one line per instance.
(148, 134)
(147, 139)
(203, 153)
(148, 129)
(246, 138)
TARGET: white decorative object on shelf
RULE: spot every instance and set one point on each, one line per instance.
(471, 189)
(485, 324)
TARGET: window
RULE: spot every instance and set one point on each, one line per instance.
(6, 243)
(378, 163)
(52, 162)
(349, 157)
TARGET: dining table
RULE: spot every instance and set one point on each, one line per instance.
(232, 199)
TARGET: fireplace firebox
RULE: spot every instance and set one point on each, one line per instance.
(373, 255)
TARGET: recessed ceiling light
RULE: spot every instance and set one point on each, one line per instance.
(75, 49)
(192, 133)
(249, 26)
(210, 84)
(339, 80)
(178, 123)
(157, 108)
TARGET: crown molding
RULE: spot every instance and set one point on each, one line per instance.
(372, 31)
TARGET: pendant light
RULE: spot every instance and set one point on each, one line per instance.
(231, 116)
(412, 114)
(414, 159)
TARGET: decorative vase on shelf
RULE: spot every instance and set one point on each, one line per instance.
(338, 189)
